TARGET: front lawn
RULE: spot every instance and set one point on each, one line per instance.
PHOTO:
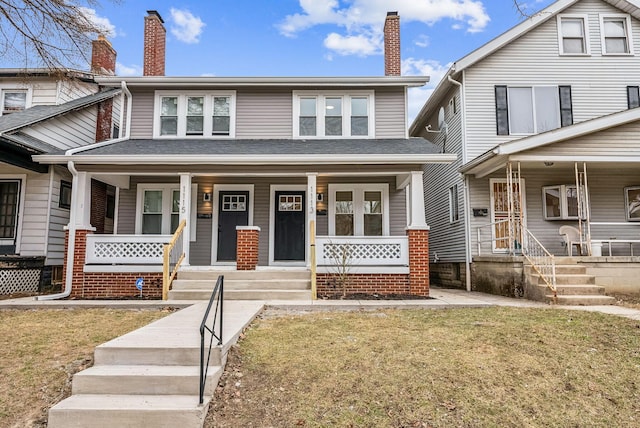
(433, 368)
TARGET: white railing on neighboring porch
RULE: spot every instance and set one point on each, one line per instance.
(542, 261)
(363, 250)
(126, 249)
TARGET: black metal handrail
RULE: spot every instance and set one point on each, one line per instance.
(218, 298)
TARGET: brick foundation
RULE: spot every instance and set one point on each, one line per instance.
(247, 247)
(419, 261)
(328, 284)
(90, 285)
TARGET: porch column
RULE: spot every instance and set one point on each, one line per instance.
(416, 201)
(311, 212)
(185, 213)
(81, 189)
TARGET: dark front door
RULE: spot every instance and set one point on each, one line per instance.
(233, 210)
(289, 231)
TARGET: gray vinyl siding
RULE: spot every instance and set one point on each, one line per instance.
(264, 114)
(58, 220)
(390, 112)
(446, 239)
(606, 192)
(34, 215)
(598, 83)
(67, 131)
(44, 93)
(71, 90)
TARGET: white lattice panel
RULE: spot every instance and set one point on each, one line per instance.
(362, 251)
(19, 281)
(384, 250)
(128, 249)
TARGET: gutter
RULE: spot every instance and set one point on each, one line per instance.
(71, 243)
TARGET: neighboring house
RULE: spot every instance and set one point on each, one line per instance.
(256, 167)
(545, 124)
(44, 112)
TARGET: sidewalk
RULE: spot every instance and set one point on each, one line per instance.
(441, 298)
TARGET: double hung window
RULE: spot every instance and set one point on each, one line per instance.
(454, 211)
(560, 202)
(572, 37)
(532, 109)
(9, 198)
(13, 100)
(616, 35)
(195, 114)
(358, 209)
(158, 208)
(333, 115)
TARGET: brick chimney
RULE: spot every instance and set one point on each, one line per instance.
(103, 57)
(392, 65)
(155, 36)
(103, 62)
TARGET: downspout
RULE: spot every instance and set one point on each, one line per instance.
(467, 210)
(71, 243)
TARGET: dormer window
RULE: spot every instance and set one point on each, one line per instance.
(572, 38)
(194, 114)
(615, 34)
(333, 115)
(13, 100)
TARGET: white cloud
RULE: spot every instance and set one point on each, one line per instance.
(124, 70)
(361, 45)
(106, 27)
(364, 18)
(186, 27)
(423, 41)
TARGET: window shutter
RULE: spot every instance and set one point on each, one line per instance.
(633, 96)
(566, 110)
(502, 110)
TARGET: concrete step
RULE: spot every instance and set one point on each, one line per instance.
(107, 411)
(575, 290)
(242, 294)
(584, 300)
(561, 269)
(158, 354)
(144, 380)
(266, 274)
(243, 284)
(572, 279)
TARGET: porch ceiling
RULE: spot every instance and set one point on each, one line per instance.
(258, 152)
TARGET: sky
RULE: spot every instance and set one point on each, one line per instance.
(307, 37)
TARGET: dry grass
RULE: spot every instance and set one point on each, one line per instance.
(447, 368)
(627, 300)
(41, 349)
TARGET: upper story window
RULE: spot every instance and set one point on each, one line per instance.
(633, 96)
(13, 100)
(333, 114)
(194, 114)
(616, 35)
(532, 109)
(572, 35)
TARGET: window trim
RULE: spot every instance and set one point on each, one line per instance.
(585, 30)
(454, 204)
(628, 32)
(346, 113)
(182, 113)
(564, 206)
(64, 184)
(167, 189)
(358, 205)
(7, 88)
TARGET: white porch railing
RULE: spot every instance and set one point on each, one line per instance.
(542, 261)
(363, 250)
(125, 249)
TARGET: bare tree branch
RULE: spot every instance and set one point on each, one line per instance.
(51, 34)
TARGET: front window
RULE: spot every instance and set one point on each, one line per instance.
(358, 209)
(65, 195)
(560, 202)
(195, 114)
(158, 209)
(616, 38)
(571, 35)
(13, 100)
(454, 212)
(333, 115)
(9, 196)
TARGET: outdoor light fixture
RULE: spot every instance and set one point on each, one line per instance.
(207, 197)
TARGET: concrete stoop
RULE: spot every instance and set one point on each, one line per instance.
(573, 286)
(150, 377)
(272, 284)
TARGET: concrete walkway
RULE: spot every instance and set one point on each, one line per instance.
(440, 298)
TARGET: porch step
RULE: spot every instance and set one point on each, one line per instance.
(243, 284)
(564, 269)
(572, 279)
(232, 274)
(107, 410)
(250, 294)
(584, 300)
(574, 290)
(144, 379)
